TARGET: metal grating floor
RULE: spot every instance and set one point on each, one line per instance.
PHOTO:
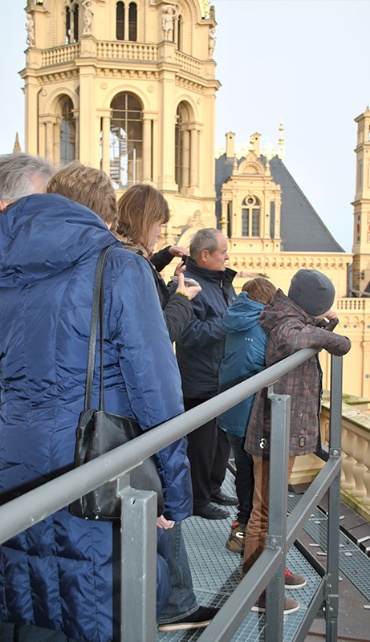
(216, 573)
(353, 562)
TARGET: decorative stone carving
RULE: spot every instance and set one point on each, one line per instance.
(88, 16)
(211, 41)
(30, 26)
(169, 14)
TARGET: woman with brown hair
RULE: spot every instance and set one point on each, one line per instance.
(141, 212)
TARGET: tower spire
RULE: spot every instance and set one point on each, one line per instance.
(17, 147)
(281, 140)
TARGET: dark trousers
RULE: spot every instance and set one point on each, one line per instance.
(244, 477)
(208, 452)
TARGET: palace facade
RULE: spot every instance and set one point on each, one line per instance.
(130, 87)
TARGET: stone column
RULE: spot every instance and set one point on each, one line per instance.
(49, 145)
(194, 157)
(147, 149)
(106, 144)
(185, 159)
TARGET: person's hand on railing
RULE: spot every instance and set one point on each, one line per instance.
(162, 522)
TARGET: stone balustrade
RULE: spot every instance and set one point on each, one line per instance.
(59, 55)
(119, 50)
(355, 478)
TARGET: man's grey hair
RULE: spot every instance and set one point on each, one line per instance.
(17, 172)
(205, 239)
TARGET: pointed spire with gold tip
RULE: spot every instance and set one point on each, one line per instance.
(281, 140)
(17, 147)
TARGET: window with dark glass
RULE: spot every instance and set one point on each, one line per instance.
(68, 25)
(179, 33)
(71, 23)
(251, 217)
(75, 23)
(126, 141)
(182, 147)
(272, 219)
(132, 22)
(120, 21)
(67, 133)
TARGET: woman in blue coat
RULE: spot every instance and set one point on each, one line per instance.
(245, 348)
(59, 574)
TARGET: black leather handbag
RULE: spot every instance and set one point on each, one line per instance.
(98, 431)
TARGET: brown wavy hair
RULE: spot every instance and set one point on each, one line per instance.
(138, 209)
(259, 289)
(88, 186)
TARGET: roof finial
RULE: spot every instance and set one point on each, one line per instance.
(281, 140)
(17, 147)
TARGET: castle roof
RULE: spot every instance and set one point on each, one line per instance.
(301, 228)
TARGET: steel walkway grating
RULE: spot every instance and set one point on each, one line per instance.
(353, 562)
(216, 573)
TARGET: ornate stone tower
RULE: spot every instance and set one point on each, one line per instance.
(250, 201)
(130, 87)
(361, 232)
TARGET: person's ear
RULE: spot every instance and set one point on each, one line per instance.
(3, 204)
(204, 255)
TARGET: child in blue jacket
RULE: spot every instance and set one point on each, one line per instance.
(245, 349)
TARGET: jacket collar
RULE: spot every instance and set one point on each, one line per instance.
(225, 277)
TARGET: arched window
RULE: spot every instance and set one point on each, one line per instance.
(71, 22)
(120, 21)
(75, 23)
(67, 133)
(251, 217)
(182, 147)
(132, 21)
(126, 141)
(68, 25)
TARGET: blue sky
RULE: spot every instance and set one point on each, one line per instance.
(302, 61)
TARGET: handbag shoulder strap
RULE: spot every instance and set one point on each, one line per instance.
(96, 312)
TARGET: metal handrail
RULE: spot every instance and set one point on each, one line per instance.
(34, 506)
(37, 504)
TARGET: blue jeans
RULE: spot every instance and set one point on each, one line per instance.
(244, 477)
(182, 600)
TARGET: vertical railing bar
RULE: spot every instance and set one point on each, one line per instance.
(138, 562)
(278, 509)
(335, 433)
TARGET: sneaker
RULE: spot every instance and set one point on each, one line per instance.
(290, 605)
(294, 581)
(236, 540)
(199, 619)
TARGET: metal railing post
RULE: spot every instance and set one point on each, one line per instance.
(278, 507)
(138, 562)
(335, 430)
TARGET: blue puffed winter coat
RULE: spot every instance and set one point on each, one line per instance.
(59, 573)
(245, 349)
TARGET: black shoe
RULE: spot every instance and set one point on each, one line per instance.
(200, 618)
(225, 500)
(211, 511)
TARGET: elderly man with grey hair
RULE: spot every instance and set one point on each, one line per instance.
(199, 354)
(22, 175)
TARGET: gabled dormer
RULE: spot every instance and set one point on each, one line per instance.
(250, 202)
